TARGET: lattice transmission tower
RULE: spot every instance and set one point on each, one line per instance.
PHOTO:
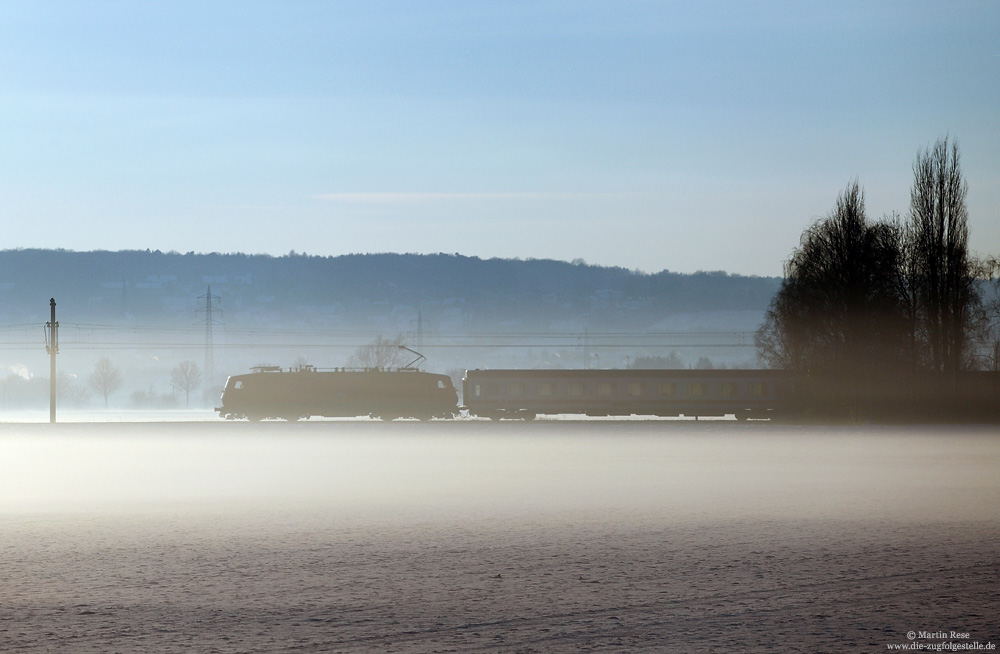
(209, 344)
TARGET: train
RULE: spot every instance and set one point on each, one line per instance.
(525, 394)
(515, 394)
(305, 391)
(270, 392)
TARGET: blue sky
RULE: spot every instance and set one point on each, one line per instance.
(648, 135)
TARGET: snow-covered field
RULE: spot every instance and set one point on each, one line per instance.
(189, 536)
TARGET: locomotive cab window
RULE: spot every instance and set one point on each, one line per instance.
(440, 384)
(477, 390)
(238, 385)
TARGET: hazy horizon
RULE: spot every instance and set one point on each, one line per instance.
(294, 253)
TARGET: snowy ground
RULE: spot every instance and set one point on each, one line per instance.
(476, 536)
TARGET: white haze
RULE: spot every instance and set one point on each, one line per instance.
(611, 471)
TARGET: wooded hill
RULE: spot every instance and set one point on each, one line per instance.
(153, 287)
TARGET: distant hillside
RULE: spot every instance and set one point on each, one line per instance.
(154, 287)
(145, 312)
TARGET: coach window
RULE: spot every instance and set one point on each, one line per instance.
(757, 389)
(728, 389)
(697, 389)
(635, 389)
(575, 389)
(668, 389)
(604, 388)
(515, 389)
(544, 389)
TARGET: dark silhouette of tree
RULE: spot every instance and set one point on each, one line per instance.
(989, 270)
(383, 353)
(186, 377)
(943, 275)
(106, 378)
(838, 313)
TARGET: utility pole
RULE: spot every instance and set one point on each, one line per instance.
(52, 347)
(209, 345)
(420, 330)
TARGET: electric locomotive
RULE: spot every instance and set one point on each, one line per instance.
(303, 392)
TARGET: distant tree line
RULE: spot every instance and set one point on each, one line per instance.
(20, 390)
(154, 286)
(673, 361)
(865, 304)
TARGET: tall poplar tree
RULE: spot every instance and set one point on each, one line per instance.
(943, 276)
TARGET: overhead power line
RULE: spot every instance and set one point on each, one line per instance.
(88, 336)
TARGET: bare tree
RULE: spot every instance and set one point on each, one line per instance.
(774, 342)
(186, 377)
(943, 273)
(838, 310)
(670, 362)
(383, 353)
(989, 269)
(106, 378)
(68, 391)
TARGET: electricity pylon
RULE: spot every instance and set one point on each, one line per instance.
(209, 345)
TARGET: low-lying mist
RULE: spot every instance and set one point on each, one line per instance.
(603, 470)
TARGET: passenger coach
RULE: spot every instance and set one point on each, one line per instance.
(525, 394)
